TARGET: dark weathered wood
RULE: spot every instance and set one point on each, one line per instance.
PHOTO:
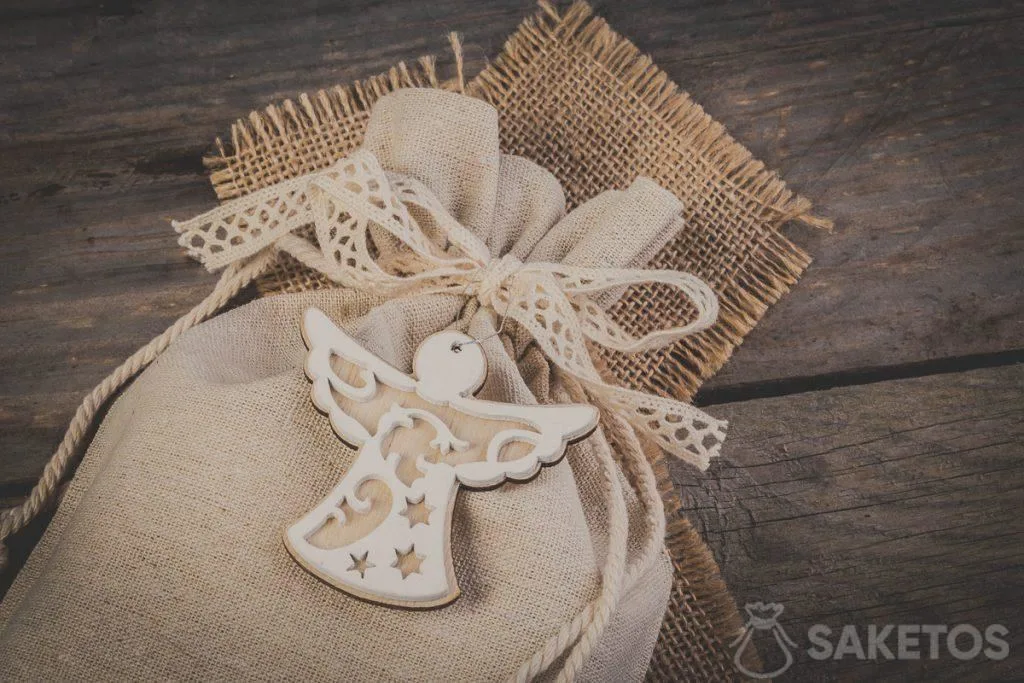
(908, 133)
(892, 503)
(901, 121)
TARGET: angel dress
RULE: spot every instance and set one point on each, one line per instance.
(383, 533)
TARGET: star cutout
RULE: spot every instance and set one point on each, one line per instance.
(417, 513)
(408, 562)
(359, 564)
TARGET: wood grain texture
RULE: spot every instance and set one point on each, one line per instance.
(908, 134)
(893, 503)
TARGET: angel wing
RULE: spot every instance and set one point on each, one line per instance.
(554, 427)
(325, 340)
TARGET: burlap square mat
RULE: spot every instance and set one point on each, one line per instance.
(580, 100)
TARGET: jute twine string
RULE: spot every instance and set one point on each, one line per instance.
(585, 629)
(232, 281)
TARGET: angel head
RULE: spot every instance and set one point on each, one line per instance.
(449, 364)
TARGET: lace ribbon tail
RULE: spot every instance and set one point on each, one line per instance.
(681, 429)
(243, 227)
(579, 283)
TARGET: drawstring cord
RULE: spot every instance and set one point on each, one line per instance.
(579, 636)
(232, 281)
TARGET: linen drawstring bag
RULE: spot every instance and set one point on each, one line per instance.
(165, 558)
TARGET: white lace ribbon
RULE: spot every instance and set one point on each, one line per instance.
(387, 233)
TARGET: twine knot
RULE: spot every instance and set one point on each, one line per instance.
(495, 278)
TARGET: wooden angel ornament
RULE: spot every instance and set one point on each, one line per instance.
(383, 533)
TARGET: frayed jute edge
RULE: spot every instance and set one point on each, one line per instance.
(697, 570)
(592, 35)
(771, 271)
(280, 121)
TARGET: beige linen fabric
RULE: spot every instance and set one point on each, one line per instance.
(166, 558)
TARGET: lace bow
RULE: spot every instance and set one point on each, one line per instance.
(387, 233)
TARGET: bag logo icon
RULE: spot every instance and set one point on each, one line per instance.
(763, 617)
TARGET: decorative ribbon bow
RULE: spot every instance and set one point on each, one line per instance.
(388, 234)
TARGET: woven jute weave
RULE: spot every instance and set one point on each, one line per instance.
(581, 101)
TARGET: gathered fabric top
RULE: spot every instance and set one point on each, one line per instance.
(389, 233)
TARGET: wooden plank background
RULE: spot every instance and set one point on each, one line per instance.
(871, 475)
